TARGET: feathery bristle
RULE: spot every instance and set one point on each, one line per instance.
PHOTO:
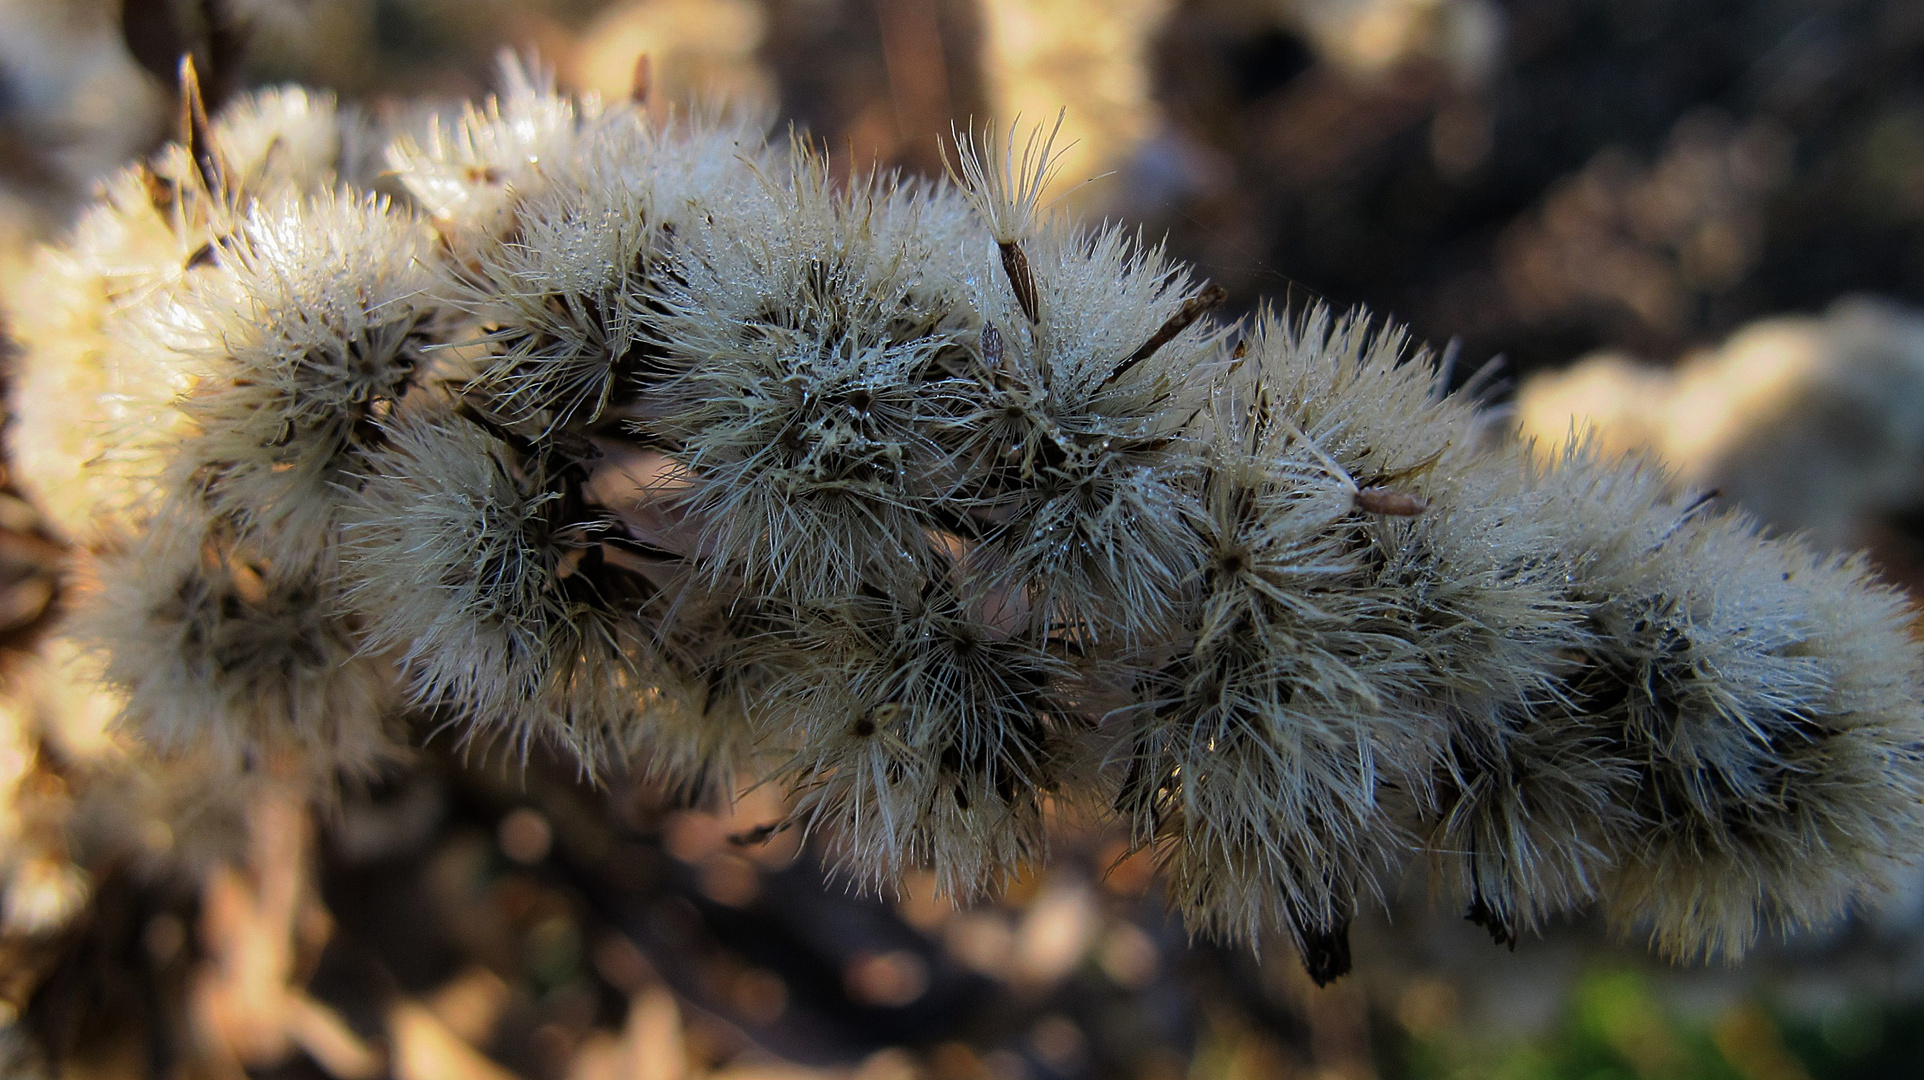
(1005, 187)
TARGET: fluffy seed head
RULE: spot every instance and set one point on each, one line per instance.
(563, 301)
(465, 171)
(304, 345)
(484, 571)
(930, 737)
(215, 649)
(812, 341)
(1077, 467)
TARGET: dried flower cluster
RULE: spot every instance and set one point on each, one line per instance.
(655, 442)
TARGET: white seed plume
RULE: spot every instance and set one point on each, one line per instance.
(1005, 186)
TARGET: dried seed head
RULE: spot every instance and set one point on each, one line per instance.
(563, 305)
(302, 346)
(929, 737)
(457, 558)
(218, 651)
(467, 170)
(808, 404)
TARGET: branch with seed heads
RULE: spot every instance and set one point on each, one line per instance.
(647, 439)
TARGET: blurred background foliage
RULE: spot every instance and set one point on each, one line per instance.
(1697, 224)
